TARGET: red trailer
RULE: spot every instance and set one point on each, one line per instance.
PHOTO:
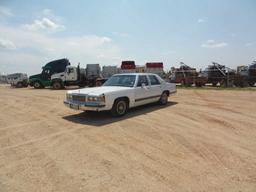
(128, 67)
(187, 76)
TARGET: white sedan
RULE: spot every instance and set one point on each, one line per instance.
(121, 92)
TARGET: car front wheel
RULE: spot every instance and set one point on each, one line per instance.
(164, 98)
(119, 108)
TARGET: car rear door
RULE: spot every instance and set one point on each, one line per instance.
(155, 87)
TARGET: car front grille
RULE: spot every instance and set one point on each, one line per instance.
(79, 98)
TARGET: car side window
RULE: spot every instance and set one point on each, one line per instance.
(142, 79)
(154, 80)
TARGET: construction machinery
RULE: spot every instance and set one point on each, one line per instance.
(252, 73)
(220, 75)
(246, 75)
(187, 76)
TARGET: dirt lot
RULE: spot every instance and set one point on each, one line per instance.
(204, 140)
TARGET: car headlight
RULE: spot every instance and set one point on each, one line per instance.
(96, 98)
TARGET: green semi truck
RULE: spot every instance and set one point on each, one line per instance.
(44, 78)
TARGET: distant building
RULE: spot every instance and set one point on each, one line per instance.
(140, 69)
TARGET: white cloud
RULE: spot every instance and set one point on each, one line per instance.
(120, 34)
(36, 48)
(249, 44)
(213, 44)
(7, 44)
(48, 13)
(5, 12)
(44, 24)
(200, 20)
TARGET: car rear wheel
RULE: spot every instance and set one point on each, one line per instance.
(119, 108)
(164, 98)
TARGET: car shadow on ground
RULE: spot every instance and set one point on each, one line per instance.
(104, 118)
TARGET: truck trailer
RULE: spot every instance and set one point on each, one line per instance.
(155, 67)
(76, 76)
(128, 67)
(108, 71)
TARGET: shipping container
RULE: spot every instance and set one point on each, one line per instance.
(155, 67)
(92, 71)
(108, 71)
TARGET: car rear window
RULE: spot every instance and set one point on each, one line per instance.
(142, 79)
(154, 80)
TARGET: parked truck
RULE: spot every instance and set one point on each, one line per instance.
(3, 79)
(108, 71)
(44, 78)
(252, 73)
(220, 74)
(18, 80)
(155, 67)
(187, 76)
(245, 75)
(89, 76)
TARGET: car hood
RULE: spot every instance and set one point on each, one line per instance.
(99, 90)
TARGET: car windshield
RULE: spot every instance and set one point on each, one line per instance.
(121, 80)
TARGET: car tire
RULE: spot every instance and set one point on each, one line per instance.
(120, 108)
(37, 85)
(164, 98)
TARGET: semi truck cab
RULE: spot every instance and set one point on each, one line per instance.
(44, 78)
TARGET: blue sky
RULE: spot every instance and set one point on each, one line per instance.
(196, 32)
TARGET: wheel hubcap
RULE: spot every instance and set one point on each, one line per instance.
(121, 107)
(164, 98)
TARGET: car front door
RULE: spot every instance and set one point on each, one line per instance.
(142, 91)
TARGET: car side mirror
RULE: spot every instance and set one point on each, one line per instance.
(143, 85)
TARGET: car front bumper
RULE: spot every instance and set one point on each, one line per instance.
(84, 107)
